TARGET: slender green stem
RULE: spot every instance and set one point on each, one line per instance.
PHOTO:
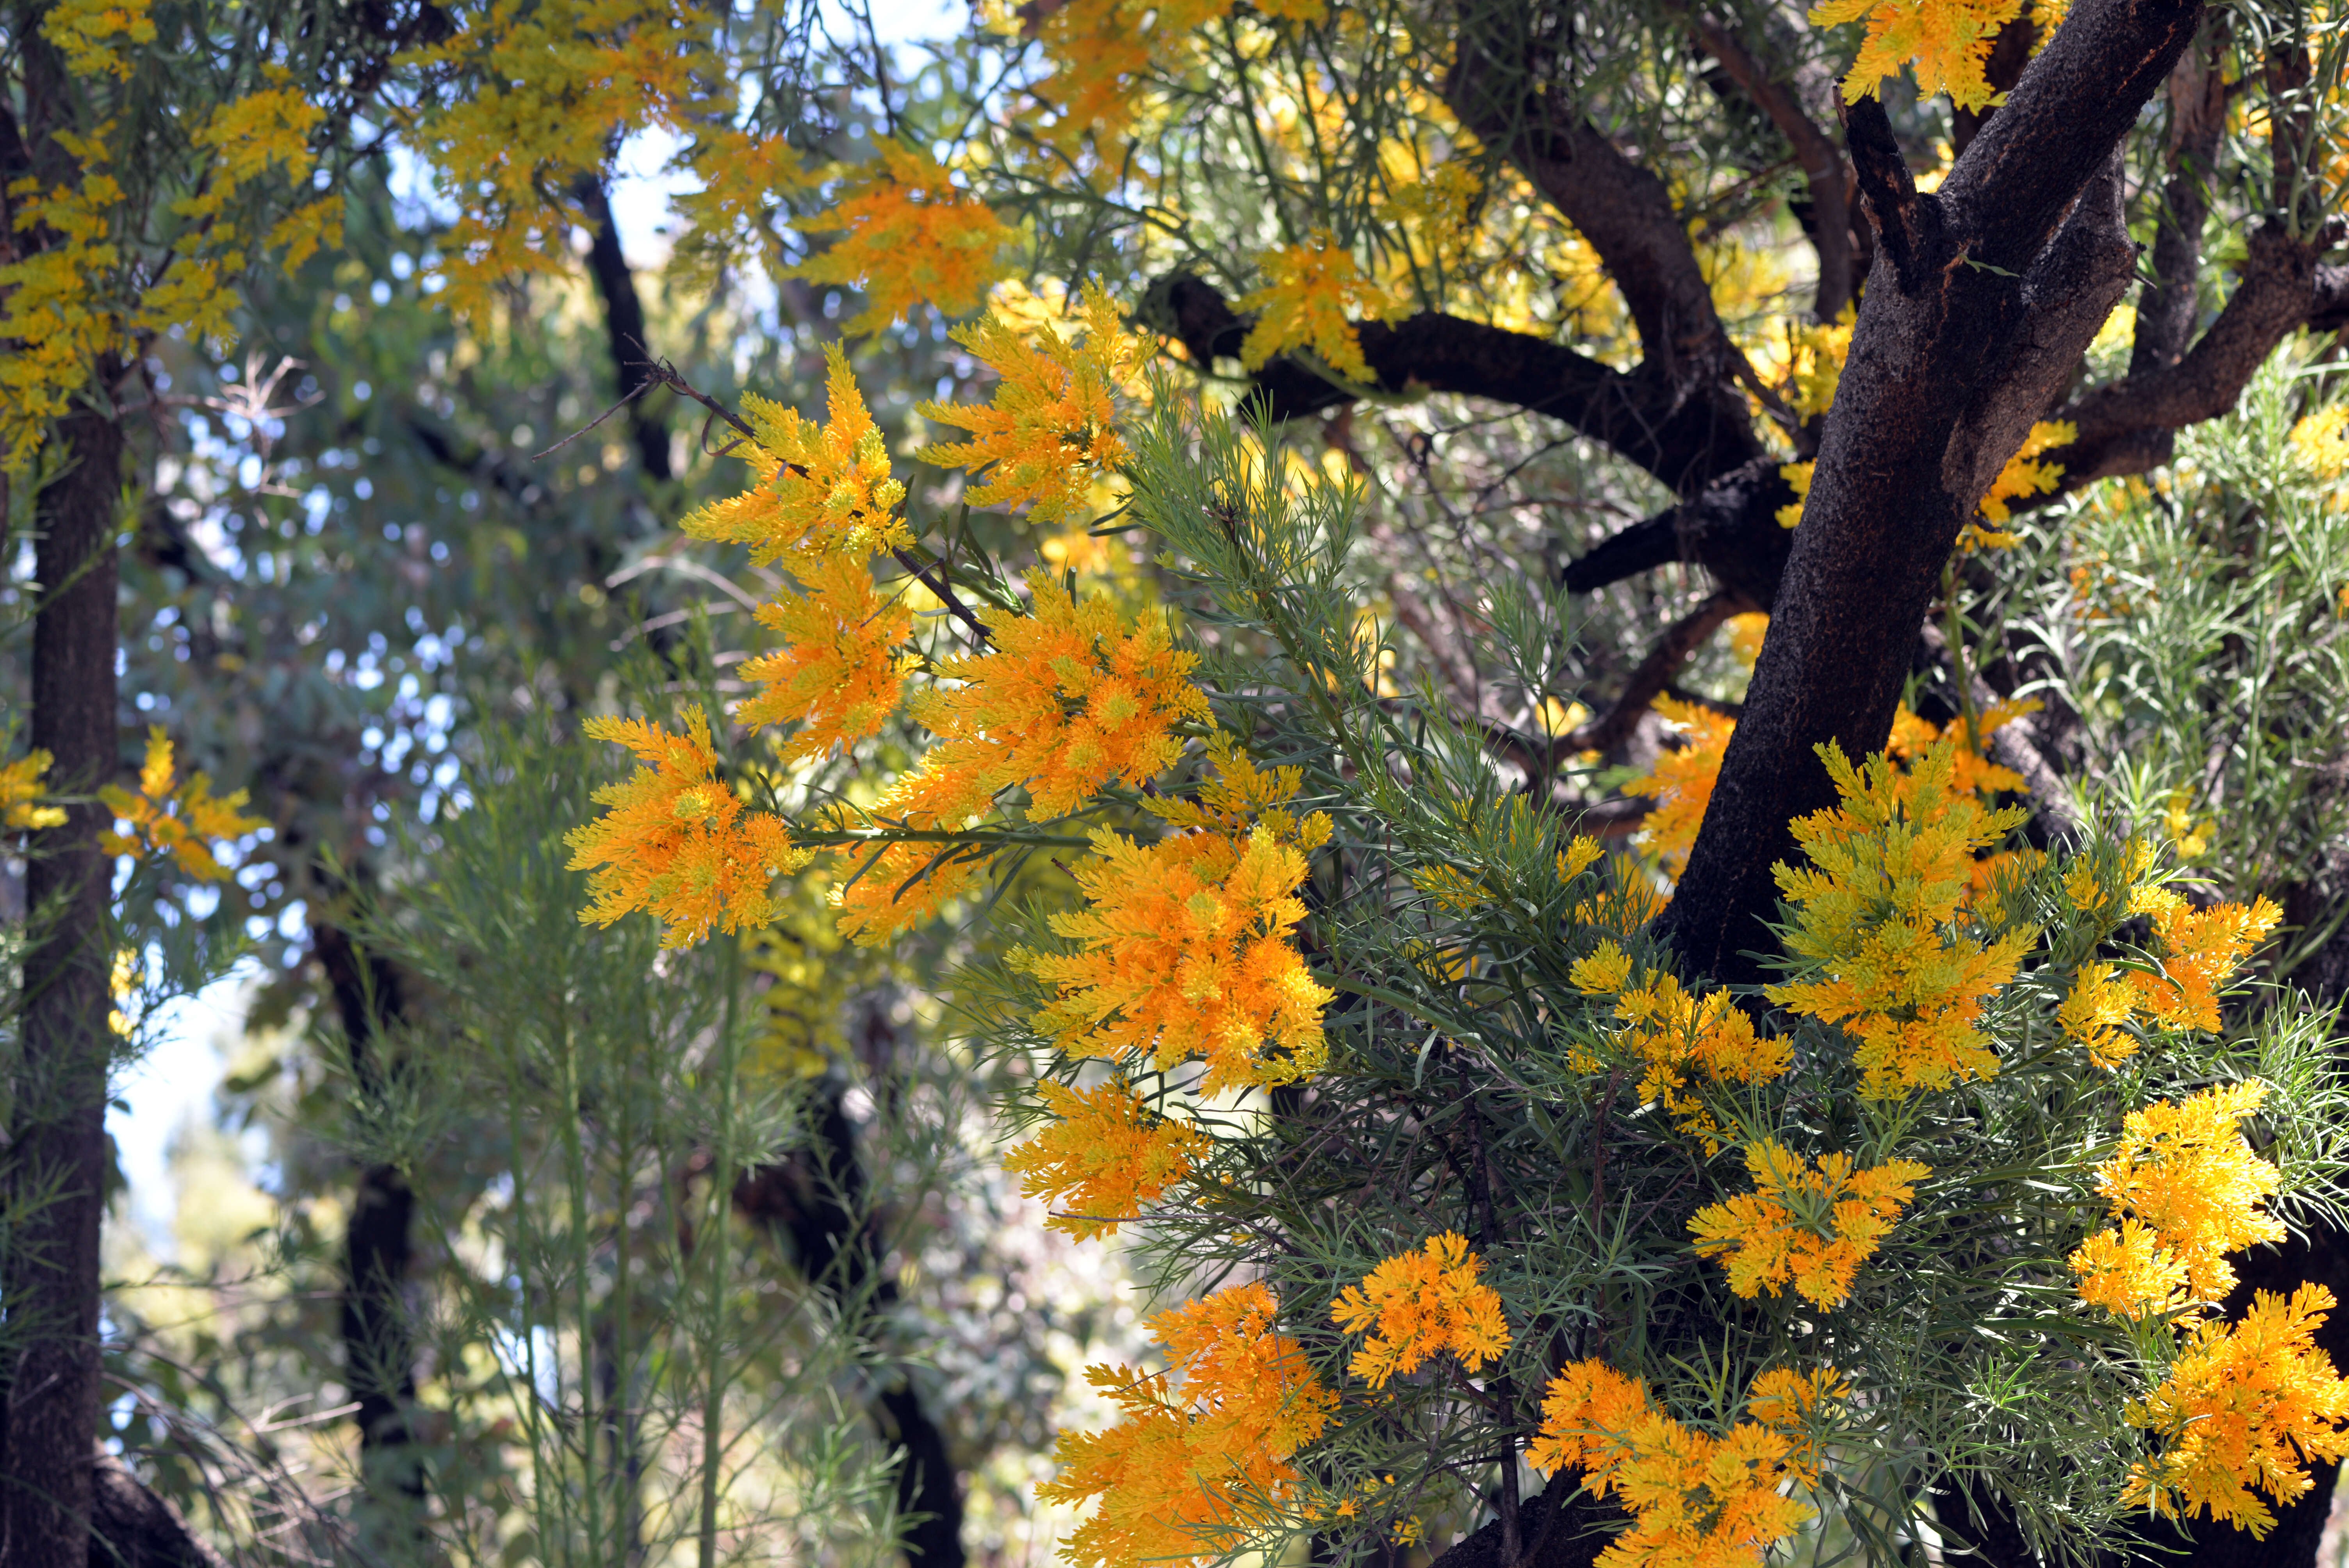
(582, 1200)
(714, 1241)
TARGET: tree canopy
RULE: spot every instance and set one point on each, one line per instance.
(1621, 727)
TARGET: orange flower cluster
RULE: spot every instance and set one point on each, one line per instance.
(1051, 431)
(1066, 699)
(1681, 782)
(1972, 772)
(677, 841)
(1105, 1158)
(1420, 1305)
(908, 238)
(1185, 949)
(1875, 914)
(2247, 1406)
(2201, 951)
(1308, 290)
(2187, 1189)
(1696, 1501)
(818, 490)
(1187, 1475)
(1814, 1225)
(1673, 1036)
(838, 675)
(183, 821)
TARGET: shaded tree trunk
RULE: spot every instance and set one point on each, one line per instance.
(57, 1161)
(378, 1342)
(815, 1203)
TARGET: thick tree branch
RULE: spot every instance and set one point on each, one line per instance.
(2197, 113)
(1678, 440)
(1731, 529)
(1821, 159)
(2125, 426)
(1963, 313)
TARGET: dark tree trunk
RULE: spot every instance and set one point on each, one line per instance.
(58, 1162)
(815, 1203)
(1980, 302)
(378, 1341)
(623, 324)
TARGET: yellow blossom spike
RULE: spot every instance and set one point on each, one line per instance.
(1050, 433)
(819, 490)
(1675, 1037)
(1875, 916)
(2096, 1014)
(1307, 292)
(1105, 1158)
(677, 841)
(909, 238)
(2186, 1171)
(183, 821)
(1812, 1225)
(22, 784)
(1420, 1305)
(1948, 41)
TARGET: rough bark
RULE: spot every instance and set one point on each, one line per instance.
(2197, 113)
(815, 1203)
(378, 1341)
(1968, 306)
(58, 1160)
(130, 1527)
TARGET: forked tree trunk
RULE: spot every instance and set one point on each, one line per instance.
(57, 1164)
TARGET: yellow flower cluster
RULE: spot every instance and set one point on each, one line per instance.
(1948, 41)
(1419, 1304)
(1673, 1036)
(85, 31)
(1104, 1158)
(1875, 919)
(909, 238)
(1050, 433)
(2247, 1406)
(1185, 949)
(1696, 1501)
(1303, 303)
(2186, 1187)
(1812, 1225)
(1680, 781)
(22, 785)
(677, 841)
(180, 821)
(2024, 475)
(1186, 1475)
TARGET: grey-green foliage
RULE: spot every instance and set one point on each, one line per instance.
(1476, 1087)
(2190, 639)
(629, 1376)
